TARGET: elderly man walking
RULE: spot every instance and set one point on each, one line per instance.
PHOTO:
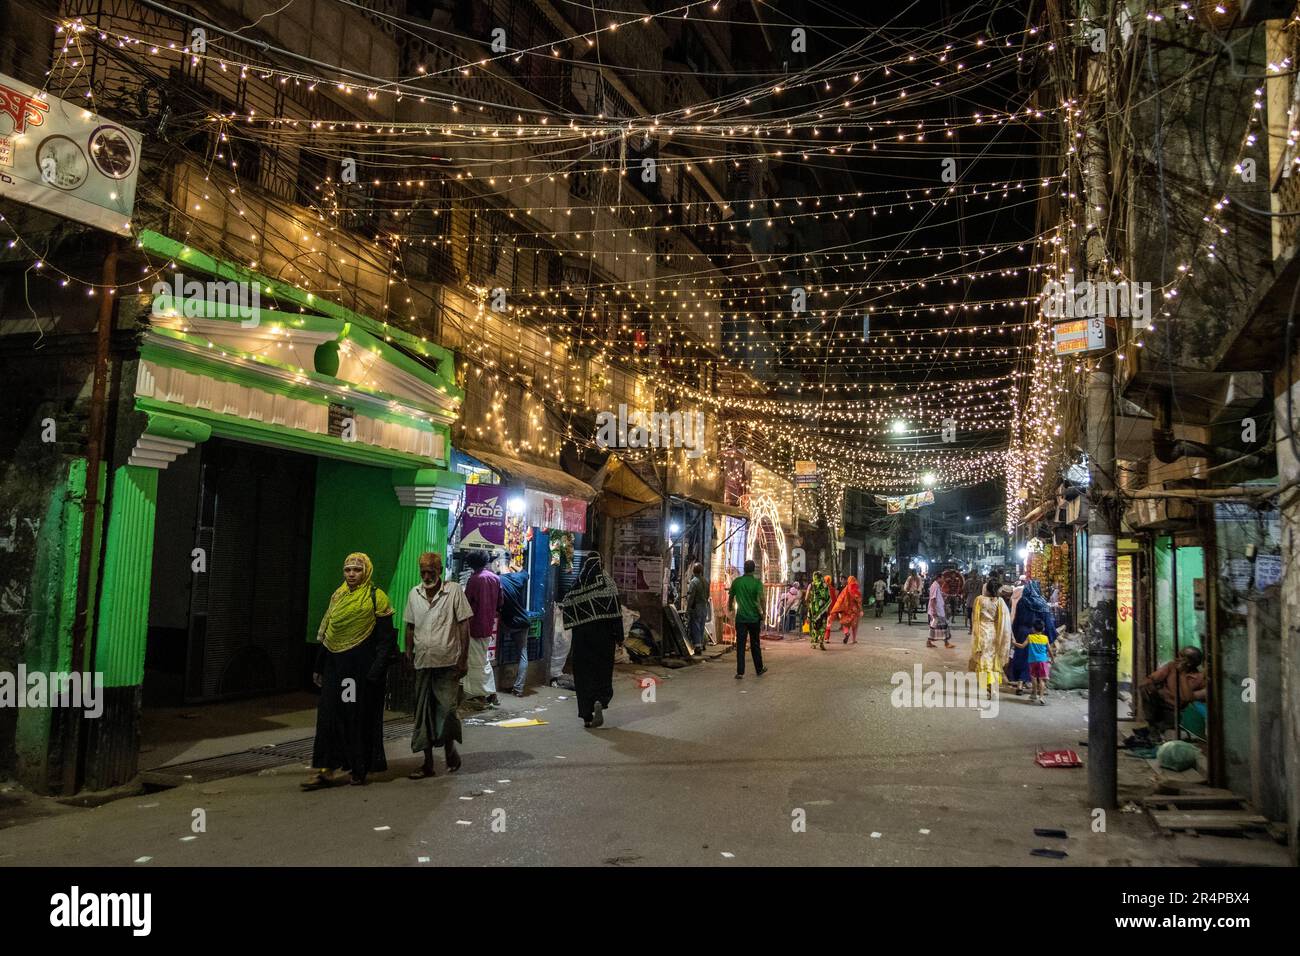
(437, 644)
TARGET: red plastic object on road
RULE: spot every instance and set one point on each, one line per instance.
(1058, 758)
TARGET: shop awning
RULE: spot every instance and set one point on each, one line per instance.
(623, 491)
(531, 476)
(717, 507)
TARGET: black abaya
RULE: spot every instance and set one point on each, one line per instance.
(350, 733)
(593, 663)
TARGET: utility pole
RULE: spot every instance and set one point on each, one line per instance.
(1102, 638)
(83, 618)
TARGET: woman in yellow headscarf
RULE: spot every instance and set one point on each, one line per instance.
(356, 646)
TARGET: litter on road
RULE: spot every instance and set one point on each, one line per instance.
(1058, 758)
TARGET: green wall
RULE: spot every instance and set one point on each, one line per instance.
(1191, 622)
(53, 602)
(357, 510)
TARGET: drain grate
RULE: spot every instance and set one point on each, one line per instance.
(250, 761)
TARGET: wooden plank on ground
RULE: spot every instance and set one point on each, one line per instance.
(1179, 788)
(1195, 801)
(1230, 851)
(1207, 819)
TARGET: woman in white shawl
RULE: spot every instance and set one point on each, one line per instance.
(990, 647)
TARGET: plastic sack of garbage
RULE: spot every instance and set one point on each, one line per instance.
(630, 617)
(560, 641)
(1070, 670)
(1177, 755)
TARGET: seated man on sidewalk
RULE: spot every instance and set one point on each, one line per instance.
(1180, 676)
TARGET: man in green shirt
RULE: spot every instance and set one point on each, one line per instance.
(744, 606)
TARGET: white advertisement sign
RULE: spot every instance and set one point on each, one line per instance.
(60, 157)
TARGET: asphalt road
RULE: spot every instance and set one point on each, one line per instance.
(810, 764)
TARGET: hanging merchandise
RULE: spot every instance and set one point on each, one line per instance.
(561, 548)
(518, 534)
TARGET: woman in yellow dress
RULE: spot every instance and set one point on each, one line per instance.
(990, 638)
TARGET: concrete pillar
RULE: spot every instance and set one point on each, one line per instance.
(427, 496)
(128, 565)
(1288, 469)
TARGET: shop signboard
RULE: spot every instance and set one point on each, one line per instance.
(1124, 618)
(1081, 336)
(897, 504)
(62, 158)
(483, 519)
(555, 512)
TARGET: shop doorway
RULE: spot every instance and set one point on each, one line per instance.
(226, 652)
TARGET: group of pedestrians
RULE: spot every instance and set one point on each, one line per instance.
(1013, 634)
(1013, 627)
(821, 607)
(448, 634)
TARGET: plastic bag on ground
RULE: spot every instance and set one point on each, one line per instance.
(560, 641)
(1177, 755)
(630, 617)
(1070, 670)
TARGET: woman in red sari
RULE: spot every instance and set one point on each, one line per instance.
(848, 608)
